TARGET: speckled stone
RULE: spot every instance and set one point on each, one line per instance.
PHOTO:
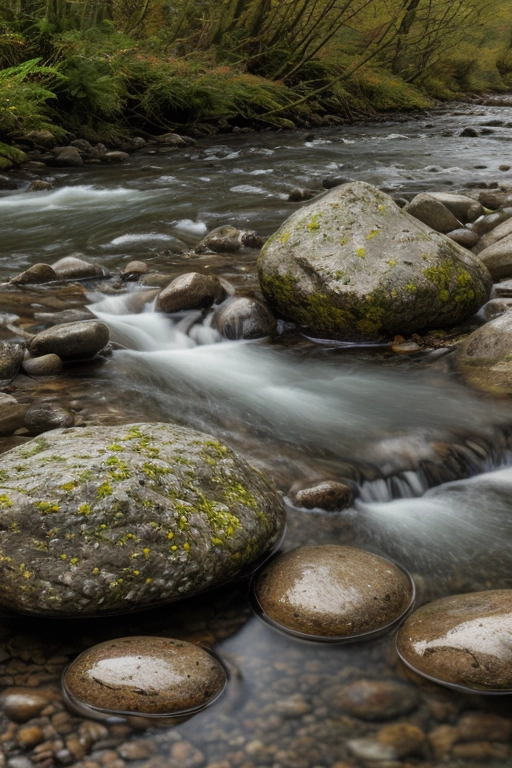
(332, 592)
(146, 676)
(462, 641)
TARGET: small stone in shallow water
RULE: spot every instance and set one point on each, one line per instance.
(332, 593)
(462, 641)
(146, 676)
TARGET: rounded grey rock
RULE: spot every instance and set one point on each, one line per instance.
(148, 676)
(462, 641)
(484, 358)
(71, 341)
(74, 268)
(463, 236)
(240, 317)
(332, 592)
(432, 212)
(43, 416)
(117, 519)
(190, 291)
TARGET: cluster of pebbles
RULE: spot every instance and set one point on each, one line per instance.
(287, 704)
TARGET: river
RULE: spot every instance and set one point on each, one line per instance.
(299, 409)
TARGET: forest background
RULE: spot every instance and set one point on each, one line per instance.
(102, 69)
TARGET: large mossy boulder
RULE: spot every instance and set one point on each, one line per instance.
(353, 265)
(114, 519)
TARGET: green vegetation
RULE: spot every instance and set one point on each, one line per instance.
(102, 69)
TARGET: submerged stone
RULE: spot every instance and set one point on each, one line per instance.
(147, 676)
(462, 641)
(333, 592)
(115, 519)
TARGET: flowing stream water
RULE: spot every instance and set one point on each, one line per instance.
(298, 408)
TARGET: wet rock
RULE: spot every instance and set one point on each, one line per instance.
(22, 704)
(500, 231)
(39, 185)
(71, 341)
(481, 751)
(332, 592)
(404, 738)
(371, 750)
(46, 365)
(484, 726)
(330, 182)
(116, 156)
(39, 138)
(134, 270)
(498, 258)
(462, 641)
(484, 358)
(469, 132)
(74, 268)
(67, 157)
(353, 265)
(503, 289)
(65, 316)
(139, 515)
(42, 416)
(442, 739)
(251, 239)
(464, 208)
(144, 676)
(495, 199)
(172, 140)
(433, 213)
(240, 317)
(496, 307)
(12, 414)
(11, 357)
(328, 494)
(490, 221)
(38, 273)
(190, 291)
(464, 237)
(225, 239)
(376, 700)
(298, 194)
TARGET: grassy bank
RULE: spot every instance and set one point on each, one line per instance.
(101, 72)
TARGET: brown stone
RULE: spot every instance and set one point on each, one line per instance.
(475, 726)
(462, 641)
(406, 739)
(375, 700)
(332, 592)
(144, 675)
(326, 494)
(483, 751)
(22, 704)
(442, 739)
(190, 291)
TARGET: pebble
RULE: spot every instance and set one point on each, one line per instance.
(375, 699)
(406, 739)
(46, 365)
(442, 739)
(22, 704)
(30, 736)
(474, 726)
(482, 751)
(332, 592)
(462, 641)
(144, 675)
(136, 750)
(42, 416)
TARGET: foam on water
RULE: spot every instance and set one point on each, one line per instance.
(67, 198)
(453, 524)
